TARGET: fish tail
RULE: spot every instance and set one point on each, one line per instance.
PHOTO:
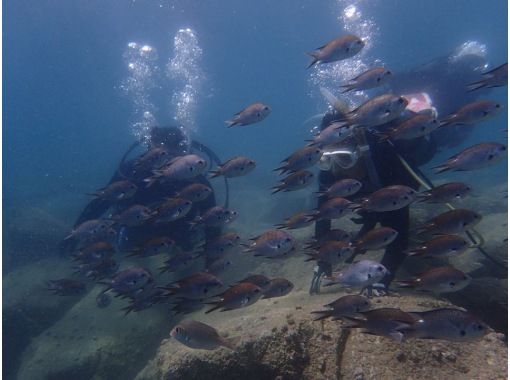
(216, 306)
(215, 173)
(231, 123)
(346, 88)
(314, 60)
(441, 168)
(229, 343)
(406, 283)
(476, 86)
(322, 314)
(414, 252)
(353, 323)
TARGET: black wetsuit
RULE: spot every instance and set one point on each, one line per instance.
(389, 171)
(130, 237)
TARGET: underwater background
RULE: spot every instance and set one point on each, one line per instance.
(83, 80)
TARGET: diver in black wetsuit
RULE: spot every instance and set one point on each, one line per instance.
(377, 164)
(173, 141)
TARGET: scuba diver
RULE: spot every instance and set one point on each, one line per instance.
(439, 87)
(165, 143)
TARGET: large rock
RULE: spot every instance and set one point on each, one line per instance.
(92, 343)
(28, 308)
(278, 340)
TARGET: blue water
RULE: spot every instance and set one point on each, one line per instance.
(69, 113)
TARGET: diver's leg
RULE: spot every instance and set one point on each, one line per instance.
(326, 179)
(322, 268)
(369, 220)
(395, 252)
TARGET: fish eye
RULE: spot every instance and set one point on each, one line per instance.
(401, 100)
(278, 246)
(498, 106)
(347, 49)
(388, 72)
(359, 42)
(177, 329)
(452, 284)
(206, 290)
(479, 327)
(266, 108)
(462, 333)
(380, 269)
(491, 156)
(256, 290)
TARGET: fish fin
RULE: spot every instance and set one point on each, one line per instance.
(397, 336)
(214, 173)
(442, 168)
(347, 87)
(414, 252)
(276, 189)
(322, 314)
(231, 123)
(383, 136)
(230, 343)
(216, 306)
(353, 322)
(406, 283)
(476, 85)
(314, 60)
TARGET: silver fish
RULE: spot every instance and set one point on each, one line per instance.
(342, 188)
(252, 114)
(389, 322)
(172, 209)
(236, 297)
(445, 193)
(475, 157)
(235, 167)
(135, 215)
(260, 280)
(334, 208)
(299, 220)
(451, 222)
(369, 79)
(91, 230)
(196, 192)
(278, 287)
(196, 286)
(377, 111)
(358, 275)
(376, 238)
(117, 191)
(94, 252)
(129, 280)
(332, 252)
(350, 306)
(296, 181)
(441, 246)
(336, 50)
(272, 244)
(300, 159)
(389, 198)
(221, 245)
(416, 126)
(473, 113)
(154, 246)
(447, 324)
(439, 280)
(198, 335)
(496, 77)
(219, 266)
(333, 134)
(215, 216)
(179, 169)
